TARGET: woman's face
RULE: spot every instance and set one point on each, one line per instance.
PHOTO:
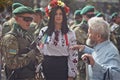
(58, 17)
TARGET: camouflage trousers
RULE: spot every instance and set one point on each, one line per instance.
(81, 70)
(39, 76)
(28, 79)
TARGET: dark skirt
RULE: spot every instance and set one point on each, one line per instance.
(55, 67)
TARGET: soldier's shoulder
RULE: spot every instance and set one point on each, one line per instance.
(76, 28)
(117, 30)
(5, 24)
(8, 36)
(8, 40)
(84, 24)
(71, 31)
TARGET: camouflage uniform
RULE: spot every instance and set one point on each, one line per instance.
(7, 26)
(20, 56)
(0, 31)
(81, 35)
(115, 29)
(73, 26)
(77, 19)
(20, 59)
(13, 45)
(32, 28)
(0, 52)
(41, 22)
(38, 28)
(115, 35)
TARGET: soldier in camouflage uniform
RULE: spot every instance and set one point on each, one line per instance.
(100, 14)
(0, 52)
(39, 13)
(7, 25)
(81, 34)
(77, 19)
(0, 31)
(19, 62)
(115, 29)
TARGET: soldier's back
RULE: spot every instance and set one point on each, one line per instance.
(81, 35)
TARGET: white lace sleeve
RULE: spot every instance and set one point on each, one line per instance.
(73, 58)
(72, 64)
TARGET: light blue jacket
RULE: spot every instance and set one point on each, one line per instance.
(106, 56)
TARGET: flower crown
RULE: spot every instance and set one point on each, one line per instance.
(55, 3)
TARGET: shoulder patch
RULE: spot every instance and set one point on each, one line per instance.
(12, 51)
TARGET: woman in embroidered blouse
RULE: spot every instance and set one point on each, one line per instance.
(59, 61)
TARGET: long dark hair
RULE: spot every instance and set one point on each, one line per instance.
(51, 26)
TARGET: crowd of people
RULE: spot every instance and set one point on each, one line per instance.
(42, 44)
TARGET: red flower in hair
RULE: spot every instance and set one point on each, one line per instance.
(55, 3)
(47, 11)
(67, 9)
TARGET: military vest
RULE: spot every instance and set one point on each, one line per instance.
(22, 36)
(24, 40)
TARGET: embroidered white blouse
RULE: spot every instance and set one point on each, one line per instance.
(47, 47)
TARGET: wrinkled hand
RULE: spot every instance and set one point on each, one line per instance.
(88, 59)
(78, 47)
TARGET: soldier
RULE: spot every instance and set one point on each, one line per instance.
(19, 63)
(39, 15)
(81, 34)
(7, 25)
(87, 12)
(0, 52)
(0, 31)
(100, 14)
(115, 29)
(77, 19)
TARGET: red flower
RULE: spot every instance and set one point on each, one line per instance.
(75, 61)
(47, 11)
(55, 3)
(67, 9)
